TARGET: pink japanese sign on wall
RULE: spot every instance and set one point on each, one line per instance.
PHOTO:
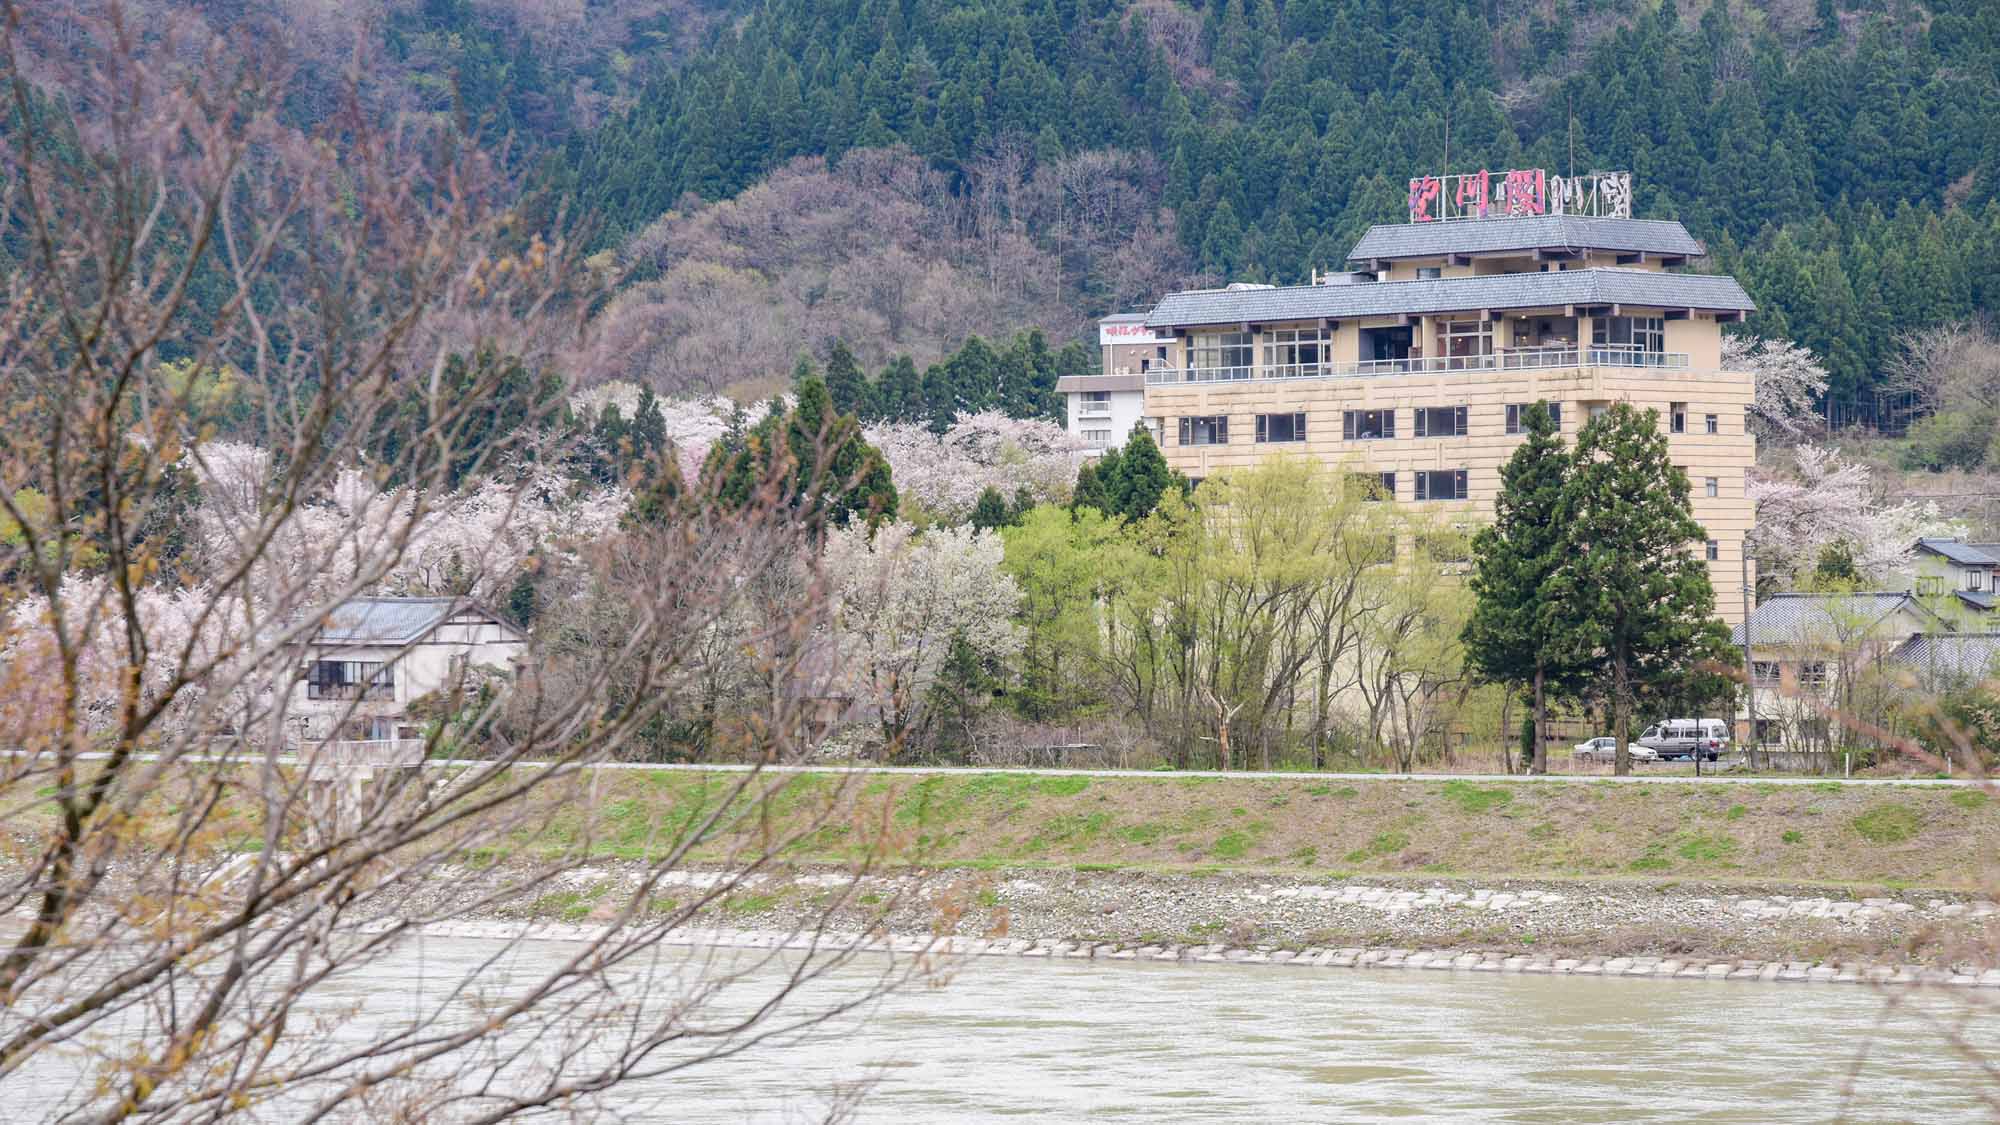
(1519, 193)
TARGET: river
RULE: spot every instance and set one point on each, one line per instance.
(1061, 1040)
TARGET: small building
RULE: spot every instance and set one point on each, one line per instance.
(372, 658)
(1103, 409)
(1808, 649)
(1956, 578)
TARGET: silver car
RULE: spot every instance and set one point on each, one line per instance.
(1605, 749)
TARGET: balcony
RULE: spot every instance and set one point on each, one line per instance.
(1505, 359)
(1093, 410)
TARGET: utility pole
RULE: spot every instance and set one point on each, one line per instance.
(1749, 666)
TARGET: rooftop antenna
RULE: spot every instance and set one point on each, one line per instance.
(1569, 103)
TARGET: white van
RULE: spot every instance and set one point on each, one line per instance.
(1684, 738)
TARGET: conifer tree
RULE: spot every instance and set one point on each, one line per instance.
(846, 385)
(899, 392)
(1632, 604)
(991, 511)
(1512, 637)
(1143, 477)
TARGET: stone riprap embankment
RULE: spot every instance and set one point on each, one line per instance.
(1351, 957)
(1542, 921)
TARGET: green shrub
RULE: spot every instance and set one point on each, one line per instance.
(1793, 836)
(1949, 439)
(1888, 824)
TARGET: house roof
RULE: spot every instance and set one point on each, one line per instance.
(1978, 599)
(391, 621)
(1784, 619)
(1072, 384)
(1958, 655)
(1539, 232)
(1960, 552)
(1599, 286)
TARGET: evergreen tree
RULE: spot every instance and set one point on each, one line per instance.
(991, 511)
(899, 393)
(1635, 606)
(846, 384)
(1090, 490)
(1142, 477)
(1512, 636)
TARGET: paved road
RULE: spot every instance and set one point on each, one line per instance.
(1640, 778)
(1540, 779)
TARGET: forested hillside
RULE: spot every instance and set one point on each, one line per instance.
(1840, 157)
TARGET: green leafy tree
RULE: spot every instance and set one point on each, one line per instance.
(1513, 635)
(1635, 605)
(1142, 477)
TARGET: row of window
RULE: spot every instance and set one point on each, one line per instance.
(1355, 425)
(1428, 484)
(1370, 425)
(350, 679)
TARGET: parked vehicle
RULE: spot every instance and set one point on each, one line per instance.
(1605, 749)
(1685, 738)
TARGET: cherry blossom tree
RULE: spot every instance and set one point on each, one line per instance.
(901, 600)
(1789, 379)
(944, 474)
(1826, 500)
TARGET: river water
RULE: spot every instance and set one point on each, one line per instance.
(1061, 1041)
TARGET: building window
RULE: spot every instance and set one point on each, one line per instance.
(1428, 273)
(1517, 414)
(1373, 486)
(1812, 674)
(1209, 429)
(1097, 439)
(1596, 410)
(1281, 427)
(1765, 673)
(1441, 484)
(1714, 423)
(1367, 425)
(1975, 580)
(1220, 355)
(1714, 551)
(350, 679)
(1632, 339)
(1712, 486)
(1297, 353)
(1466, 344)
(1929, 585)
(1677, 417)
(1097, 396)
(1441, 421)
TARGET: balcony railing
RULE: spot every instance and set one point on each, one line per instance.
(1506, 359)
(1093, 410)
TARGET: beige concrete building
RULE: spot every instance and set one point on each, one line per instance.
(1416, 366)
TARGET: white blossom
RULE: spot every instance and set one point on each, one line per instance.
(1828, 500)
(944, 475)
(901, 597)
(1789, 381)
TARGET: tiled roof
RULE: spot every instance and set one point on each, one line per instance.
(386, 621)
(1978, 599)
(1959, 551)
(1071, 384)
(1787, 619)
(1602, 286)
(1485, 236)
(1954, 655)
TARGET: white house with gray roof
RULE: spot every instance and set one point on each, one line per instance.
(371, 658)
(1957, 578)
(1807, 649)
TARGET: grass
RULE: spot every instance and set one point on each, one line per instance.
(1471, 798)
(1891, 823)
(1969, 798)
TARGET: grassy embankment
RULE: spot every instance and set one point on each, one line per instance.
(1827, 833)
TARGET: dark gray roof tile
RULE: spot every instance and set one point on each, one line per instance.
(1603, 286)
(1540, 232)
(1792, 619)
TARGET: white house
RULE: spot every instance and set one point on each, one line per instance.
(1808, 650)
(1102, 409)
(371, 658)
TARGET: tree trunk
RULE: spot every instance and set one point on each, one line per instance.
(1541, 722)
(1621, 717)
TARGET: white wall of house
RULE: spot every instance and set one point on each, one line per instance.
(1106, 422)
(416, 670)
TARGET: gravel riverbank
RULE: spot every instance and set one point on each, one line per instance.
(1219, 912)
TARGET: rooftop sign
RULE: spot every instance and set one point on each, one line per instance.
(1519, 193)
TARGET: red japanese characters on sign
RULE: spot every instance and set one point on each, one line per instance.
(1519, 193)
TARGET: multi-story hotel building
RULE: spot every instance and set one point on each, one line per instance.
(1415, 367)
